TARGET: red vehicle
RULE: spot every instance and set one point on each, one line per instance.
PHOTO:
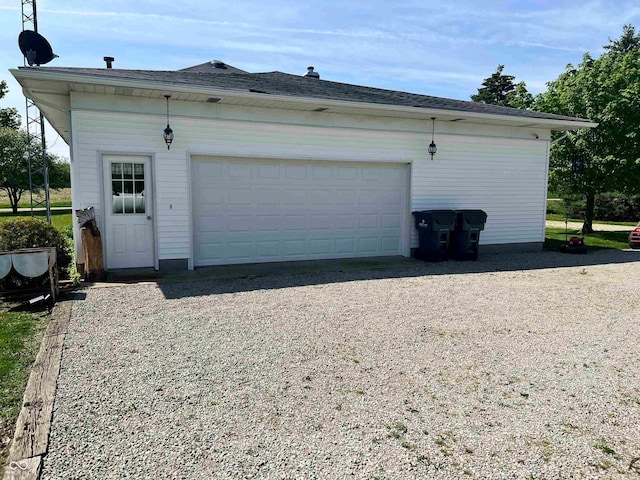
(634, 237)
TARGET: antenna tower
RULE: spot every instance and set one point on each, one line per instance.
(38, 171)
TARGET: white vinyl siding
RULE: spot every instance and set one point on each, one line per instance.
(506, 178)
(484, 168)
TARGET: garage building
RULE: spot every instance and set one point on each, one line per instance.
(269, 167)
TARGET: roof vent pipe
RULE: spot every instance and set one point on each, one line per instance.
(109, 61)
(311, 73)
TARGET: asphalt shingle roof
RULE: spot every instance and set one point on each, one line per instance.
(278, 83)
(214, 66)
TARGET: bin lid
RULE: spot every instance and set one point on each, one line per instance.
(435, 213)
(476, 218)
(435, 219)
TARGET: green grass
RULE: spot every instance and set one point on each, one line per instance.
(626, 224)
(555, 237)
(603, 445)
(58, 198)
(60, 219)
(20, 335)
(557, 217)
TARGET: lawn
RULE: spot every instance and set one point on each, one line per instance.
(20, 336)
(61, 219)
(58, 198)
(555, 237)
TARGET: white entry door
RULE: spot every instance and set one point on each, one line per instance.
(128, 212)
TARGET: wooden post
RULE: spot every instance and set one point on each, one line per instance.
(92, 243)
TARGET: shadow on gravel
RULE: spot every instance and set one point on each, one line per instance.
(217, 280)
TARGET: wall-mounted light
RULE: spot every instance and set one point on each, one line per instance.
(432, 146)
(168, 133)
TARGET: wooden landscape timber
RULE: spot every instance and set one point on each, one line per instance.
(31, 438)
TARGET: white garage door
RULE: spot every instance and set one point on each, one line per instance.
(247, 211)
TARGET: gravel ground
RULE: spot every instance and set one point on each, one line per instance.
(427, 371)
(598, 227)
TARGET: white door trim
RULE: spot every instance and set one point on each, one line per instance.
(191, 259)
(102, 215)
(408, 223)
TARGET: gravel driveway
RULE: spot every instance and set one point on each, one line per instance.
(424, 371)
(598, 227)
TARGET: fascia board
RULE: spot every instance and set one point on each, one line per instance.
(237, 93)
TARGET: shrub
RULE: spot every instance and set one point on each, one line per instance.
(555, 206)
(67, 232)
(610, 207)
(615, 207)
(574, 207)
(32, 232)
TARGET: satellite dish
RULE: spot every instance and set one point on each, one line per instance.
(35, 48)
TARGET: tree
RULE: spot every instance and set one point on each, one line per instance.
(499, 89)
(628, 42)
(8, 116)
(606, 90)
(520, 97)
(15, 149)
(59, 172)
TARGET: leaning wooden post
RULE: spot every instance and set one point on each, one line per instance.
(92, 245)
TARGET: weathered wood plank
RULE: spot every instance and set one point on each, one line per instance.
(27, 469)
(34, 422)
(60, 319)
(31, 436)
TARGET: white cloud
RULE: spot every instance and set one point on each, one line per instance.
(445, 49)
(261, 47)
(548, 47)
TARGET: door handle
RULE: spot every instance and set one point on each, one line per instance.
(149, 217)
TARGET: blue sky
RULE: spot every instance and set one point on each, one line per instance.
(425, 47)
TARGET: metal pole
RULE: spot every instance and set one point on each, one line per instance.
(28, 155)
(45, 171)
(35, 130)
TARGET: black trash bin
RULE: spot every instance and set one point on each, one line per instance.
(434, 231)
(466, 236)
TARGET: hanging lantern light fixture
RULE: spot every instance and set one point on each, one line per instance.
(168, 133)
(432, 146)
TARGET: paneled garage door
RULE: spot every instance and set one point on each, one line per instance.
(247, 211)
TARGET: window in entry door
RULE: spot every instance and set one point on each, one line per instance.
(127, 185)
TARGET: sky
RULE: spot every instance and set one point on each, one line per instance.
(439, 48)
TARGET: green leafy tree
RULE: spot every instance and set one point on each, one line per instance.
(8, 116)
(520, 97)
(590, 162)
(59, 172)
(628, 42)
(500, 89)
(15, 148)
